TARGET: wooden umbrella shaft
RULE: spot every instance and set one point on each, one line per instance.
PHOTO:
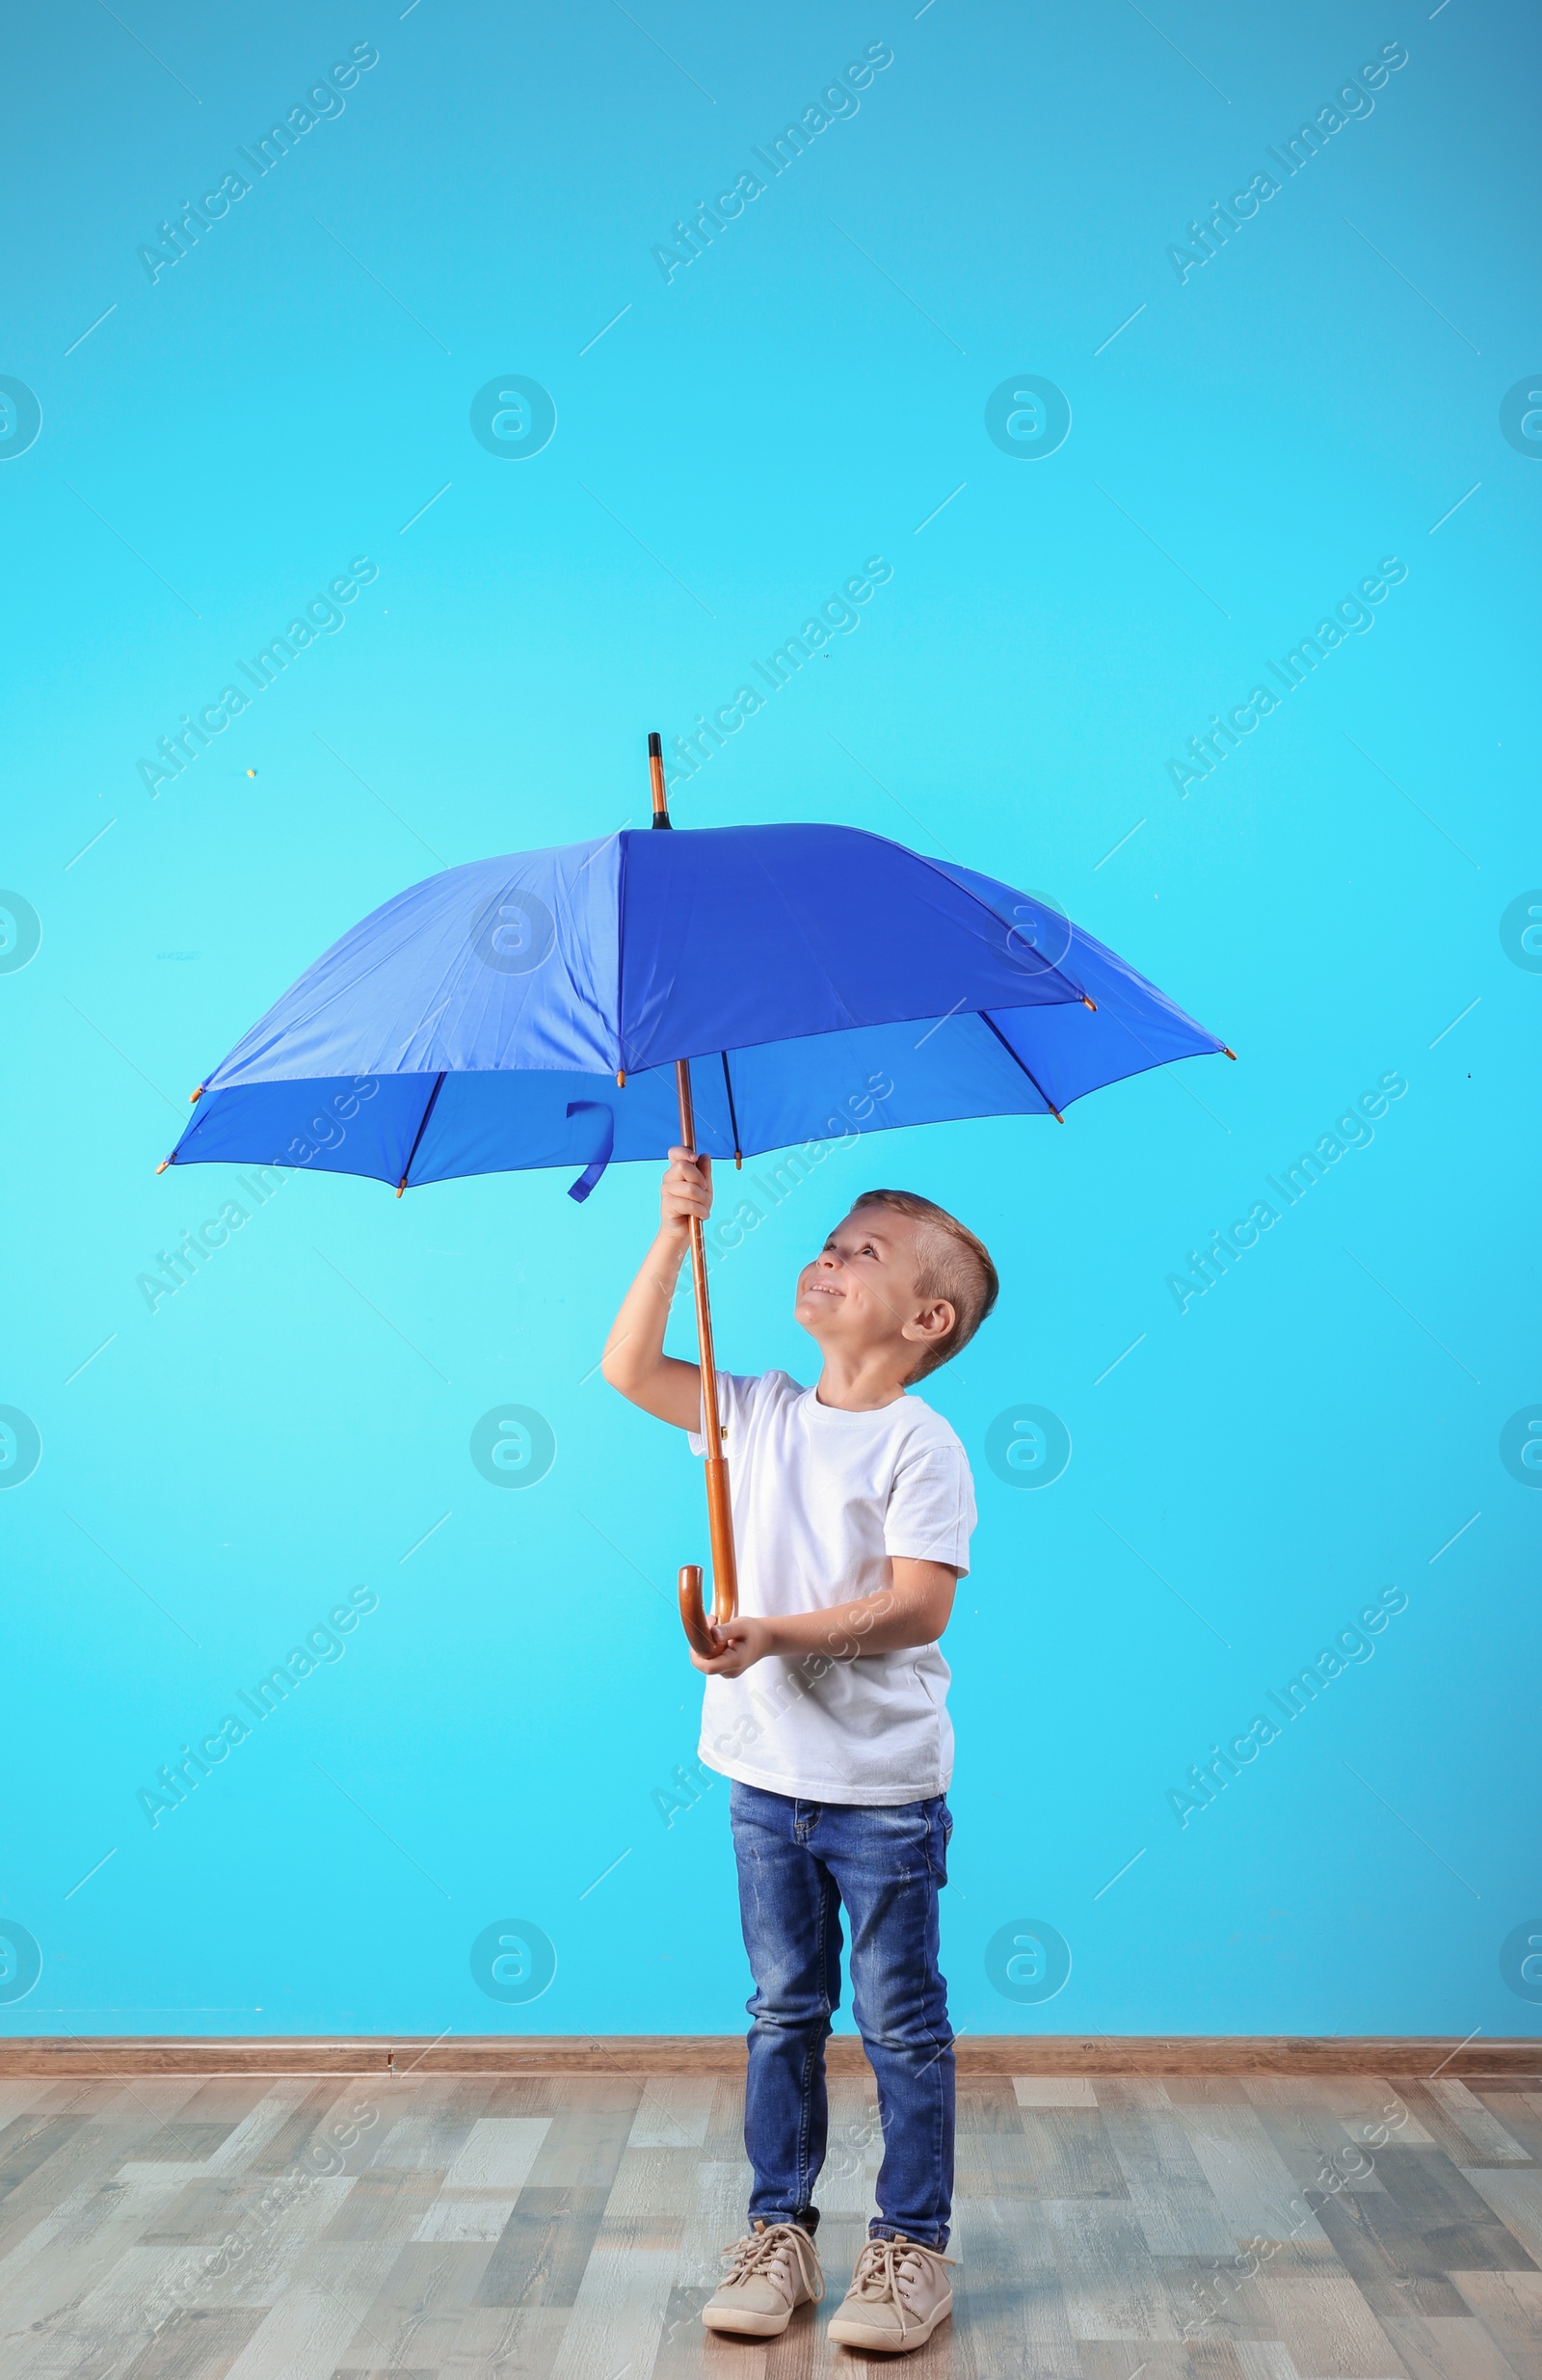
(719, 1510)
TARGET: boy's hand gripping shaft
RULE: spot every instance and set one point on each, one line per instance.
(719, 1511)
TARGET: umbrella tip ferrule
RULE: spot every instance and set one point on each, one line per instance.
(1089, 1004)
(161, 1167)
(1058, 1117)
(655, 774)
(401, 1186)
(193, 1097)
(1231, 1054)
(738, 1160)
(621, 1077)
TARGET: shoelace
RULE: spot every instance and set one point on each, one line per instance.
(881, 2266)
(759, 2249)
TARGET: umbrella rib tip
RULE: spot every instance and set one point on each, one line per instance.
(1231, 1054)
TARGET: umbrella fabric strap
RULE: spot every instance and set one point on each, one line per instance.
(592, 1173)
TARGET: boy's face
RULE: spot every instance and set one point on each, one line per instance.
(860, 1293)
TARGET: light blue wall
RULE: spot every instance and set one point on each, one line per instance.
(1326, 1421)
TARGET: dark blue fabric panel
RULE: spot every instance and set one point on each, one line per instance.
(1082, 1057)
(1072, 1051)
(496, 1123)
(747, 934)
(875, 1079)
(349, 1124)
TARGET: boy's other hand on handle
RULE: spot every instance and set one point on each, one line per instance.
(913, 1609)
(742, 1642)
(687, 1192)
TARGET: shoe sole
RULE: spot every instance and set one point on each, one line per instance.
(847, 2332)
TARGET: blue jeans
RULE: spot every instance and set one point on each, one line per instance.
(799, 1863)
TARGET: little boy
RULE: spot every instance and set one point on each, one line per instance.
(826, 1704)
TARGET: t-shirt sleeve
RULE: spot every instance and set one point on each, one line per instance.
(930, 1514)
(737, 1392)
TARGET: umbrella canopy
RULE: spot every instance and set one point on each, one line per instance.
(529, 1012)
(733, 989)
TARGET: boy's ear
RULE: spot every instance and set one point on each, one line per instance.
(931, 1323)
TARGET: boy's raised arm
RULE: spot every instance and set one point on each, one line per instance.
(634, 1360)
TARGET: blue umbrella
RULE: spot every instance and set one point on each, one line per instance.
(735, 989)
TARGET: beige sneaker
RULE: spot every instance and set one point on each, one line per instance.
(774, 2269)
(898, 2295)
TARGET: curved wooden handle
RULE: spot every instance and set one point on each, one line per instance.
(692, 1617)
(725, 1569)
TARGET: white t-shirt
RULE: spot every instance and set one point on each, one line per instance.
(821, 1498)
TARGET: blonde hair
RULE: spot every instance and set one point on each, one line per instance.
(951, 1264)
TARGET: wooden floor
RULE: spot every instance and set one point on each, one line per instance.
(567, 2228)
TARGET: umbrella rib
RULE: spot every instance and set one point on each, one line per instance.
(1017, 1062)
(439, 1085)
(728, 1085)
(623, 840)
